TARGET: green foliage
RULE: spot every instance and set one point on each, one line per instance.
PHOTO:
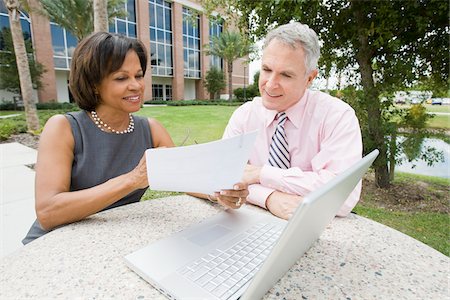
(416, 117)
(256, 78)
(429, 228)
(77, 16)
(394, 44)
(214, 82)
(65, 106)
(229, 46)
(248, 94)
(12, 126)
(9, 79)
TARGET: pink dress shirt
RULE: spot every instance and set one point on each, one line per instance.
(324, 139)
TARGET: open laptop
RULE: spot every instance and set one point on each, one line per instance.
(242, 253)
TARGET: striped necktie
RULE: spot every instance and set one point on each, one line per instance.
(279, 150)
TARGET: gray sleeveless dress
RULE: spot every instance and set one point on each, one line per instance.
(100, 156)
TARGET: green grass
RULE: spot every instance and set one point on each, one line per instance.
(429, 228)
(410, 178)
(206, 123)
(437, 108)
(199, 123)
(10, 112)
(439, 121)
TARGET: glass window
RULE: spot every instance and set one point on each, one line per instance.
(121, 27)
(157, 92)
(191, 43)
(215, 29)
(127, 25)
(58, 42)
(161, 37)
(3, 9)
(4, 23)
(168, 92)
(63, 46)
(131, 11)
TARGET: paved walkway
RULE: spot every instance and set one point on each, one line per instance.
(16, 195)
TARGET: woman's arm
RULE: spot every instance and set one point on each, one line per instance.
(55, 204)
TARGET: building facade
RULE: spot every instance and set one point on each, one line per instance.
(174, 33)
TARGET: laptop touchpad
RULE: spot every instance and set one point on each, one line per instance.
(209, 235)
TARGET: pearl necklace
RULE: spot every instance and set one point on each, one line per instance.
(102, 125)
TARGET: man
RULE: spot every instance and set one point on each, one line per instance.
(305, 137)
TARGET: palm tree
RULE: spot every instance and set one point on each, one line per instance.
(77, 16)
(229, 46)
(100, 15)
(26, 86)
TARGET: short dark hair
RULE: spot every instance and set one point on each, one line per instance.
(96, 57)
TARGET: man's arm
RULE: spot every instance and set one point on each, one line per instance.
(338, 151)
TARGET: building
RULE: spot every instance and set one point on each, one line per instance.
(174, 32)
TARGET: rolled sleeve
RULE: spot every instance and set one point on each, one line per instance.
(258, 194)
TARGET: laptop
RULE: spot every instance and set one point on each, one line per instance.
(241, 253)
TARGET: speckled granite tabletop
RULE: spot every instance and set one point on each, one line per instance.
(355, 258)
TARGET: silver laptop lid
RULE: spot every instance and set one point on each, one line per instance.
(316, 211)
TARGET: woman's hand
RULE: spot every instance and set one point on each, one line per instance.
(234, 198)
(139, 174)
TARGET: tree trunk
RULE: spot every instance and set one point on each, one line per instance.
(371, 99)
(392, 151)
(230, 82)
(23, 68)
(100, 15)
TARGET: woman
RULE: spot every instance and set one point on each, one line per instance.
(94, 159)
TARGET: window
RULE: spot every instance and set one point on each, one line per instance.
(157, 92)
(161, 92)
(191, 44)
(64, 44)
(168, 92)
(215, 29)
(4, 24)
(160, 13)
(126, 26)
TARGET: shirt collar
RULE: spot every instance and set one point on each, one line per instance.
(293, 112)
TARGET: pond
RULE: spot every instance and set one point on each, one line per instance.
(438, 169)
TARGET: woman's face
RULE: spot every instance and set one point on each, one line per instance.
(124, 89)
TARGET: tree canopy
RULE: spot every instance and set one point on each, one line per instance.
(387, 45)
(77, 16)
(229, 46)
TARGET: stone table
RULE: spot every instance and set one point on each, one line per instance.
(355, 258)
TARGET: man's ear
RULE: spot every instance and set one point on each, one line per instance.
(313, 74)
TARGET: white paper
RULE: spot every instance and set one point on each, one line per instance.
(202, 168)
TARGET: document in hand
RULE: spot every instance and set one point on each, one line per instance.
(202, 168)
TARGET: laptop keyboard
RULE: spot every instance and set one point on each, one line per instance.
(223, 272)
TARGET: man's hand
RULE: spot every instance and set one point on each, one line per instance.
(251, 174)
(234, 198)
(283, 205)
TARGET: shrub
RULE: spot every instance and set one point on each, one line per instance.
(214, 82)
(57, 105)
(250, 92)
(12, 126)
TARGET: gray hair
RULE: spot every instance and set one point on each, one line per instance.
(297, 33)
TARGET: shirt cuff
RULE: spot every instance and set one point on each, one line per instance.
(272, 177)
(258, 194)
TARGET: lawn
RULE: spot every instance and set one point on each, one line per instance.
(199, 124)
(438, 108)
(206, 123)
(440, 121)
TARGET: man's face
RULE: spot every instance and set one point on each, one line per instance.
(283, 79)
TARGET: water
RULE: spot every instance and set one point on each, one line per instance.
(439, 169)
